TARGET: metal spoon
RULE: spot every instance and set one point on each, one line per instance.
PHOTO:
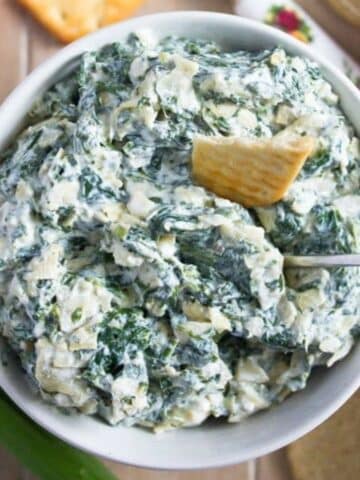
(349, 260)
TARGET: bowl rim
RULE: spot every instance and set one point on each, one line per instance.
(67, 55)
(65, 59)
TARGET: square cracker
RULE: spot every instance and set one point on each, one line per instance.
(253, 172)
(71, 19)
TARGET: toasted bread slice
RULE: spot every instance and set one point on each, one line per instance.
(69, 19)
(253, 172)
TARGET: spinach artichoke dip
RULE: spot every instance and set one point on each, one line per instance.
(131, 293)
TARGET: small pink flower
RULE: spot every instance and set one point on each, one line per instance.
(288, 20)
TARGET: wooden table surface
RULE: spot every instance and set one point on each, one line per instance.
(23, 45)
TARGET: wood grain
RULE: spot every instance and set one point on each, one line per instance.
(273, 467)
(345, 34)
(9, 467)
(13, 47)
(41, 44)
(168, 5)
(244, 471)
(331, 451)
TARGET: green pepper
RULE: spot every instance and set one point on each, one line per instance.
(43, 454)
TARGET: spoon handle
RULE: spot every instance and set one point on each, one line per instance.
(349, 260)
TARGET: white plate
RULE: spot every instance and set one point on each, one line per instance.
(214, 444)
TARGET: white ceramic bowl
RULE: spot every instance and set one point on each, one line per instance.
(213, 444)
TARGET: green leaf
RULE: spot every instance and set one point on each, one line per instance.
(76, 314)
